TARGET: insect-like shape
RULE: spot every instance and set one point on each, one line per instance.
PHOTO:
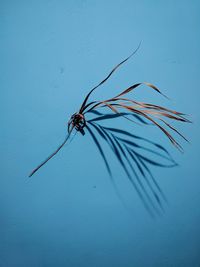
(153, 113)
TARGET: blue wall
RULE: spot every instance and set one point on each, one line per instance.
(68, 214)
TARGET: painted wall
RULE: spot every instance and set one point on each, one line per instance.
(68, 214)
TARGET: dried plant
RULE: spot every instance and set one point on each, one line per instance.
(121, 106)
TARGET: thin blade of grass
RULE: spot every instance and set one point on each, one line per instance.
(173, 141)
(52, 155)
(149, 106)
(175, 130)
(107, 77)
(132, 87)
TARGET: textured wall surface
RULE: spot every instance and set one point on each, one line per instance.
(68, 214)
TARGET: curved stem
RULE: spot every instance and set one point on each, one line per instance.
(51, 156)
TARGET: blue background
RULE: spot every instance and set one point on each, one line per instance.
(52, 53)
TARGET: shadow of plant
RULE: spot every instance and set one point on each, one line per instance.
(136, 155)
